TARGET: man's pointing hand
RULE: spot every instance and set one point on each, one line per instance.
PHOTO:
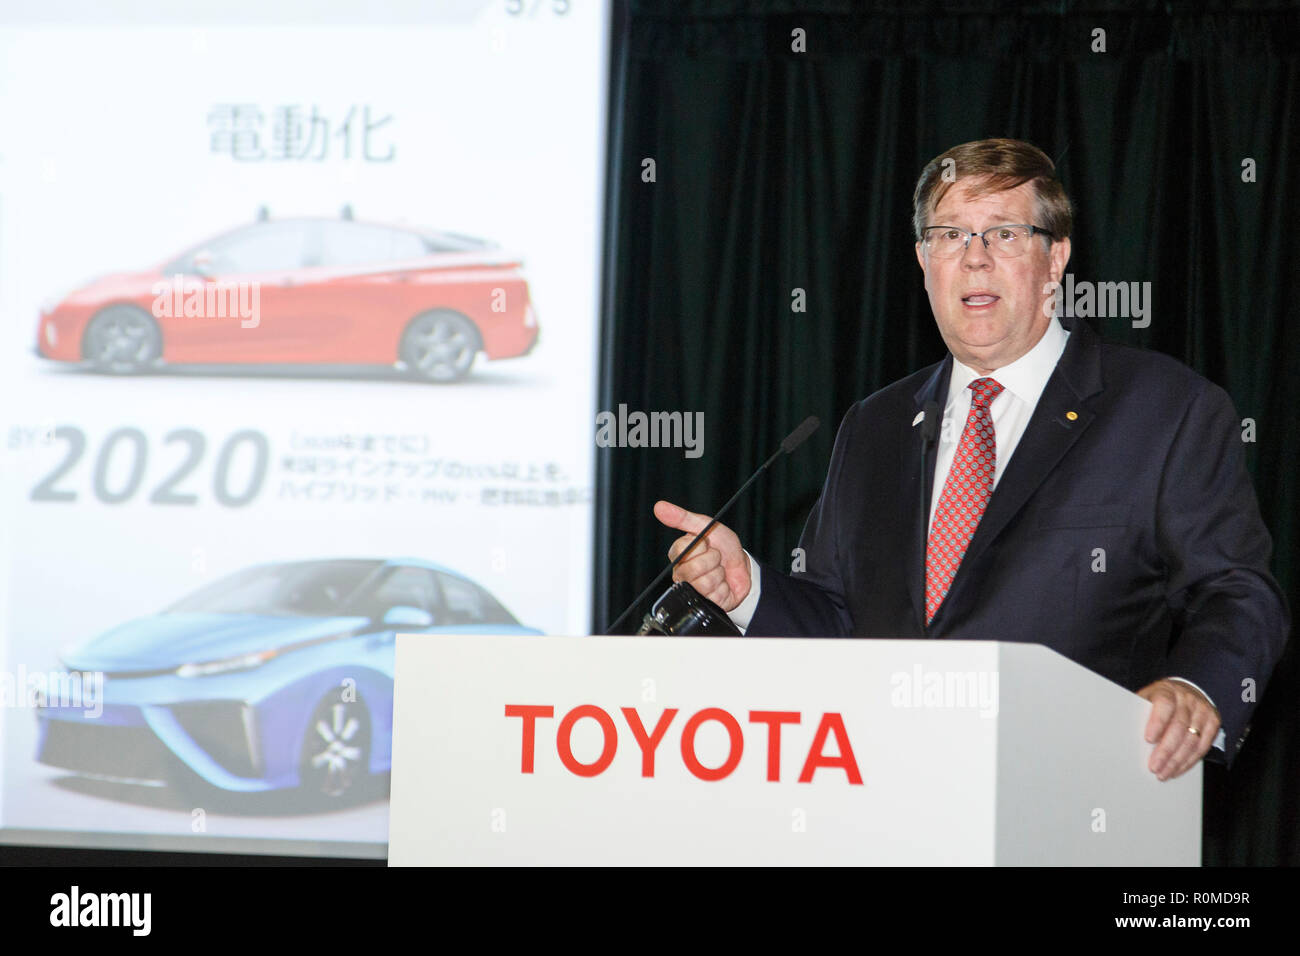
(718, 567)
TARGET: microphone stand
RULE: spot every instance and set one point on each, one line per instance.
(791, 442)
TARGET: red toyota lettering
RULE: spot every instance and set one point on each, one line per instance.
(530, 713)
(774, 719)
(831, 723)
(688, 744)
(648, 743)
(564, 745)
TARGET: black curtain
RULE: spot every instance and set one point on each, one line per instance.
(776, 170)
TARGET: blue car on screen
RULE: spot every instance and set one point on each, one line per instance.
(278, 676)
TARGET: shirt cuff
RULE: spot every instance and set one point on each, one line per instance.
(743, 612)
(1220, 739)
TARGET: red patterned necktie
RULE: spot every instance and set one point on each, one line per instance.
(965, 496)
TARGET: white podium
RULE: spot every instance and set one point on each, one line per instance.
(716, 751)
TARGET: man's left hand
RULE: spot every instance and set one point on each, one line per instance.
(1177, 708)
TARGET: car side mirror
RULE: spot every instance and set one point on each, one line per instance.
(202, 263)
(403, 615)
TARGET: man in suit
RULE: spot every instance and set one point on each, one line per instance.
(1088, 497)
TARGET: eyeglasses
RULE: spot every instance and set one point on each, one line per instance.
(1006, 242)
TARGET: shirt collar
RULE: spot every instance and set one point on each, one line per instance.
(1026, 377)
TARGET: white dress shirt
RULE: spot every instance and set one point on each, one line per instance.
(1022, 383)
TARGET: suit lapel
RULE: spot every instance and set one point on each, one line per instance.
(917, 476)
(1051, 433)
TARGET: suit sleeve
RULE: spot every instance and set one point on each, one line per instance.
(1216, 551)
(809, 602)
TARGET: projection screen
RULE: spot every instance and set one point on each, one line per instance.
(298, 321)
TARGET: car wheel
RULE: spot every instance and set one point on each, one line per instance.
(336, 747)
(122, 339)
(440, 346)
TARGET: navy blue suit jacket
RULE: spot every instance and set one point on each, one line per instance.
(1150, 470)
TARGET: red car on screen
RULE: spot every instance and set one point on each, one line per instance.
(304, 291)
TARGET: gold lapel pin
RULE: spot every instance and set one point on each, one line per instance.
(1072, 415)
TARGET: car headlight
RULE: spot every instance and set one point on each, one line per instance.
(241, 663)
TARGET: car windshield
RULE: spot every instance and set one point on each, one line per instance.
(454, 242)
(309, 588)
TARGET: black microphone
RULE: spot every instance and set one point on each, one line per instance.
(791, 442)
(929, 432)
(798, 436)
